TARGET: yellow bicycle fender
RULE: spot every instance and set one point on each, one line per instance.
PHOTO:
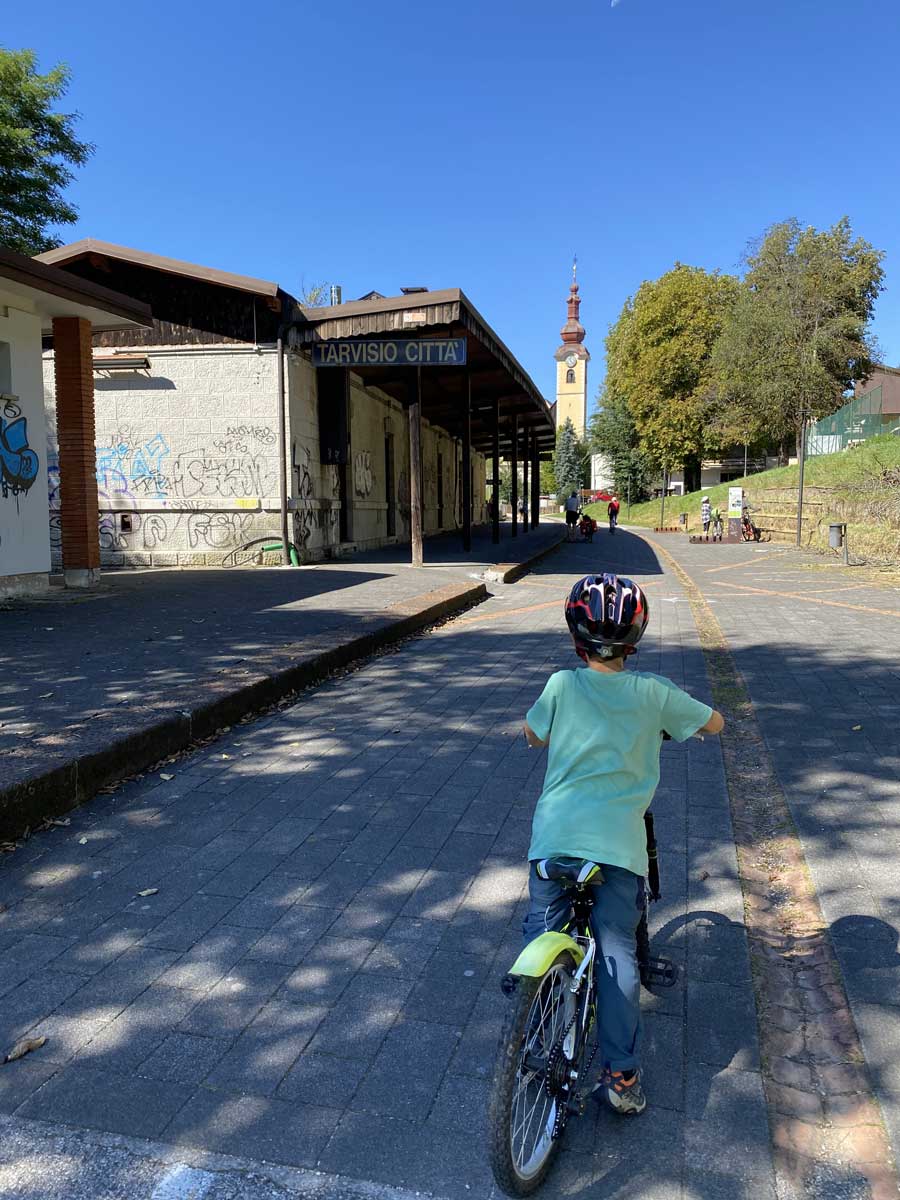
(538, 955)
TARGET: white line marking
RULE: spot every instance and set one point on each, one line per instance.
(183, 1183)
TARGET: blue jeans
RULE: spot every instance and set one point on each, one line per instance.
(618, 905)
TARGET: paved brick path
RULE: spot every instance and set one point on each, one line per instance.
(339, 889)
(78, 669)
(817, 650)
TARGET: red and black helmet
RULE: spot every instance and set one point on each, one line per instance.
(606, 615)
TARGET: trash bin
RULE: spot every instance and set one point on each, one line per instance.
(836, 536)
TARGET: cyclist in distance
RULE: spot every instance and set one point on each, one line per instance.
(603, 725)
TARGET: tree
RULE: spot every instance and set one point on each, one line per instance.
(569, 460)
(614, 434)
(38, 147)
(658, 357)
(548, 479)
(314, 295)
(799, 335)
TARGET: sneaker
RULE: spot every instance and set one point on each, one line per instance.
(623, 1094)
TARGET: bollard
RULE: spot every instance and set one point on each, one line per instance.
(837, 538)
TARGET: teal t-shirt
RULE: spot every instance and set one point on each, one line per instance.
(603, 761)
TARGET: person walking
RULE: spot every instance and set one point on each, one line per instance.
(612, 511)
(572, 507)
(705, 513)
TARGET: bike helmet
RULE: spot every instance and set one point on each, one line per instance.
(607, 615)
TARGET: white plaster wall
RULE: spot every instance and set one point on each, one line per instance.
(24, 541)
(373, 415)
(187, 462)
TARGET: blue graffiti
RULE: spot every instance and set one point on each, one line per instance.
(18, 462)
(127, 467)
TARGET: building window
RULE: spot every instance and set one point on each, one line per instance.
(570, 376)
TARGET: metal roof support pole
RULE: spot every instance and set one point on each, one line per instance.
(495, 471)
(525, 461)
(514, 470)
(282, 453)
(415, 466)
(467, 465)
(535, 483)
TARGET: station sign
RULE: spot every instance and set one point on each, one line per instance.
(399, 352)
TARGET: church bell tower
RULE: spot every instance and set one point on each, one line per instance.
(572, 360)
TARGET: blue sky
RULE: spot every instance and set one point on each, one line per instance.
(479, 144)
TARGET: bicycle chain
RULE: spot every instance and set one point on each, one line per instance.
(562, 1110)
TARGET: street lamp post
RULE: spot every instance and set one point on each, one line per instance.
(804, 415)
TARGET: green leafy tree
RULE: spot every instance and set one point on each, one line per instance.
(658, 359)
(569, 461)
(38, 147)
(548, 479)
(799, 335)
(614, 434)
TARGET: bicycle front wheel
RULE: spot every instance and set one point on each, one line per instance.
(524, 1104)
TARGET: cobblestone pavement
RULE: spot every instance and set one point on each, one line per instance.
(817, 647)
(146, 643)
(340, 886)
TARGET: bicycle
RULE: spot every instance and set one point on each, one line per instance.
(549, 1038)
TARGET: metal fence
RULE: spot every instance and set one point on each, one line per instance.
(857, 421)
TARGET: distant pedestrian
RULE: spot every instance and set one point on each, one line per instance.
(716, 518)
(572, 507)
(705, 513)
(612, 511)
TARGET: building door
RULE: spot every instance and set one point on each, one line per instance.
(440, 490)
(390, 489)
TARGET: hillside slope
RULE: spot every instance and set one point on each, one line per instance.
(859, 486)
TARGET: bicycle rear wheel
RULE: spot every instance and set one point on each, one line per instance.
(523, 1109)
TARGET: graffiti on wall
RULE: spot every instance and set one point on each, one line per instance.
(363, 477)
(132, 466)
(18, 462)
(145, 468)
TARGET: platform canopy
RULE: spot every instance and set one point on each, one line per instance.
(491, 371)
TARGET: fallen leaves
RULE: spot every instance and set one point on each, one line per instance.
(856, 728)
(148, 892)
(24, 1047)
(166, 777)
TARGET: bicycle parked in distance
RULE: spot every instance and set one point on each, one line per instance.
(542, 1073)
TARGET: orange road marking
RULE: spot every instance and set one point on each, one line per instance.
(744, 587)
(732, 566)
(509, 612)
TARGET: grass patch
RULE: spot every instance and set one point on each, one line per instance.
(860, 487)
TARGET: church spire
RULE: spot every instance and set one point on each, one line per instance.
(573, 330)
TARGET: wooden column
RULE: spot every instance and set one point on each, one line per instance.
(535, 483)
(415, 467)
(526, 455)
(467, 464)
(80, 517)
(495, 457)
(514, 463)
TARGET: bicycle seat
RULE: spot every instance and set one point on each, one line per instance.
(572, 871)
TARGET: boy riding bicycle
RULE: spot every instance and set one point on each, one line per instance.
(604, 727)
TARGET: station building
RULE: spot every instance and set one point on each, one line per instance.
(189, 417)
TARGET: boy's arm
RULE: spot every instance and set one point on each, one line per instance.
(715, 724)
(539, 718)
(532, 738)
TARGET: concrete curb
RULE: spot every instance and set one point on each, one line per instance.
(73, 778)
(510, 572)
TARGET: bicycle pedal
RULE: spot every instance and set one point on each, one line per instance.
(659, 973)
